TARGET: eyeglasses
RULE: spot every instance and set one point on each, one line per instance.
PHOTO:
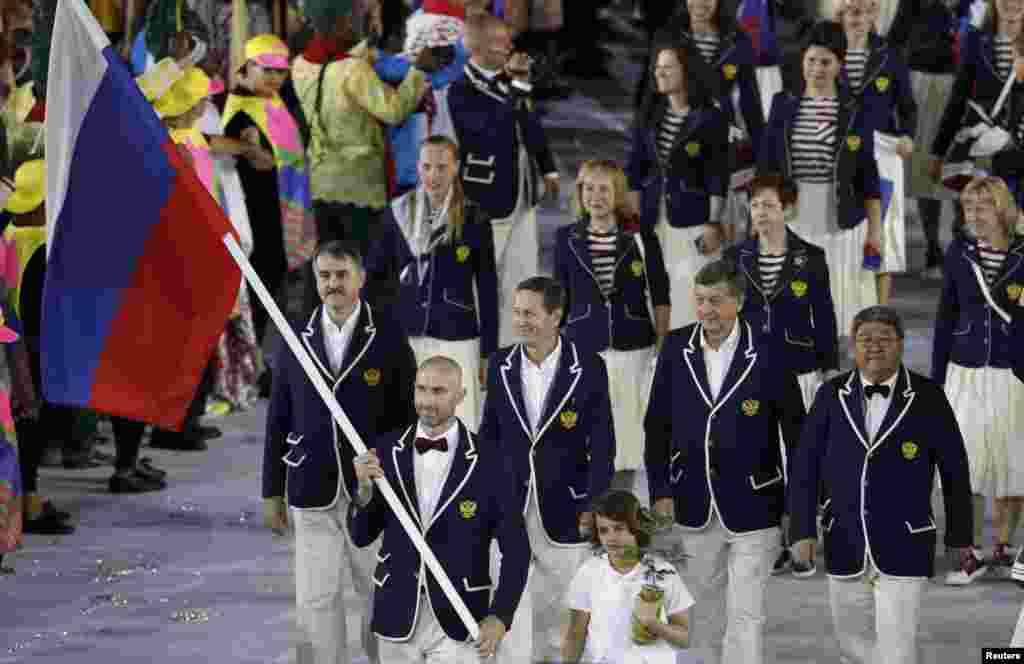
(878, 342)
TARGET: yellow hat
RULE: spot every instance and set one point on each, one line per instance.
(267, 51)
(29, 187)
(183, 96)
(159, 78)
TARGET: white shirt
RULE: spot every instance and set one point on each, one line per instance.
(337, 338)
(537, 383)
(609, 597)
(876, 407)
(430, 469)
(717, 362)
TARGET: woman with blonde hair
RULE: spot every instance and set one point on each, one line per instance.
(976, 342)
(618, 295)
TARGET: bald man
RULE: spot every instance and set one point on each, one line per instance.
(457, 495)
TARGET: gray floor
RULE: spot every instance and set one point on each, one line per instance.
(189, 575)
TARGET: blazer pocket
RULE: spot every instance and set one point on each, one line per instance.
(675, 475)
(763, 479)
(455, 303)
(382, 557)
(478, 170)
(642, 316)
(473, 589)
(294, 438)
(826, 524)
(576, 496)
(293, 458)
(966, 330)
(573, 319)
(925, 527)
(380, 582)
(799, 341)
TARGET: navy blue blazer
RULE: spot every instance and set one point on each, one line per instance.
(486, 127)
(698, 168)
(798, 317)
(885, 95)
(855, 170)
(443, 306)
(571, 460)
(721, 453)
(374, 387)
(976, 80)
(968, 331)
(622, 321)
(475, 506)
(879, 494)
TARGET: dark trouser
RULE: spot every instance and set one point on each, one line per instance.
(55, 424)
(271, 264)
(127, 441)
(337, 221)
(930, 210)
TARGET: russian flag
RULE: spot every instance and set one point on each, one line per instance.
(139, 284)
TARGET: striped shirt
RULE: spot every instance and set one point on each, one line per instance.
(603, 248)
(856, 63)
(991, 261)
(770, 267)
(814, 139)
(1003, 48)
(707, 46)
(670, 126)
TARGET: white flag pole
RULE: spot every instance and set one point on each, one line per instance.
(350, 433)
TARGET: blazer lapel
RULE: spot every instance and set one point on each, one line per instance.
(796, 259)
(567, 376)
(851, 396)
(693, 354)
(512, 380)
(463, 463)
(362, 337)
(313, 340)
(579, 248)
(1010, 265)
(902, 398)
(742, 362)
(402, 457)
(878, 55)
(751, 266)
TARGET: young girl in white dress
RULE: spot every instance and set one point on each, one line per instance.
(609, 622)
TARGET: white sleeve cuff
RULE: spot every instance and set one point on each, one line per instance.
(522, 86)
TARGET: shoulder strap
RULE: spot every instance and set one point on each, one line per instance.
(643, 257)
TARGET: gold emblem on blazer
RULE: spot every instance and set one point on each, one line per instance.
(638, 268)
(1014, 290)
(853, 142)
(751, 407)
(882, 83)
(568, 419)
(467, 508)
(462, 253)
(693, 149)
(909, 450)
(372, 377)
(799, 287)
(729, 71)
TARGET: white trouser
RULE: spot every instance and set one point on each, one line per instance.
(326, 565)
(727, 574)
(428, 644)
(876, 617)
(542, 617)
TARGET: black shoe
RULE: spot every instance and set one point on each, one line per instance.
(47, 524)
(134, 483)
(149, 471)
(181, 442)
(60, 515)
(209, 433)
(783, 563)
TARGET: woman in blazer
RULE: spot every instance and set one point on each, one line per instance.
(678, 173)
(821, 141)
(788, 301)
(976, 347)
(879, 79)
(618, 296)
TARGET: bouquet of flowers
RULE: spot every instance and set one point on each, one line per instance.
(649, 602)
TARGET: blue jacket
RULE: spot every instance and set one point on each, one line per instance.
(443, 306)
(486, 127)
(721, 454)
(885, 96)
(571, 460)
(475, 506)
(798, 317)
(374, 387)
(855, 170)
(698, 168)
(968, 331)
(622, 321)
(879, 495)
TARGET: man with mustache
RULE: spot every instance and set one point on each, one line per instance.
(367, 361)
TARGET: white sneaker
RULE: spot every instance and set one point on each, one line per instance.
(971, 568)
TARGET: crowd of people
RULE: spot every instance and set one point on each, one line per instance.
(385, 161)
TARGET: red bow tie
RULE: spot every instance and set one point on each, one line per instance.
(426, 444)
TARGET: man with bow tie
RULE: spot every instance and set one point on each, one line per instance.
(549, 412)
(460, 496)
(714, 461)
(367, 361)
(871, 444)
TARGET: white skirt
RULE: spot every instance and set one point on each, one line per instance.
(989, 407)
(628, 378)
(467, 355)
(894, 227)
(853, 287)
(682, 262)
